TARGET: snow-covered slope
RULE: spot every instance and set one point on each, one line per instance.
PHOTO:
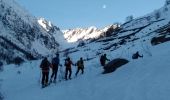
(138, 27)
(143, 79)
(22, 36)
(143, 33)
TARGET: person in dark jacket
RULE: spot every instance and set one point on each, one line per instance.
(80, 66)
(1, 66)
(103, 60)
(136, 55)
(45, 67)
(55, 64)
(68, 64)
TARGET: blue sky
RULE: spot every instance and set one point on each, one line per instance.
(68, 14)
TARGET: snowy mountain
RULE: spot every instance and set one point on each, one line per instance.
(135, 35)
(74, 35)
(47, 25)
(141, 79)
(56, 33)
(23, 35)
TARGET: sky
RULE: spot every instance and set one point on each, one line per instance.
(69, 14)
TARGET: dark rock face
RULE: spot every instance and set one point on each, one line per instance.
(162, 36)
(159, 40)
(114, 64)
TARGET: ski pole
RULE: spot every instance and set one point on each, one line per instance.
(40, 78)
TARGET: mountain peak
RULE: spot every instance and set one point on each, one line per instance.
(73, 35)
(45, 24)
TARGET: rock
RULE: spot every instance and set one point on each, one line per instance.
(114, 64)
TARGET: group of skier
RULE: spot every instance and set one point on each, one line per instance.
(54, 65)
(46, 65)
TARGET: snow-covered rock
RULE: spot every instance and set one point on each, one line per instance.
(45, 24)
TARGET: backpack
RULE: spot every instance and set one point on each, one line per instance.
(80, 63)
(101, 58)
(45, 65)
(55, 61)
(66, 63)
(134, 56)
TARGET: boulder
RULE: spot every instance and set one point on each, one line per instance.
(114, 64)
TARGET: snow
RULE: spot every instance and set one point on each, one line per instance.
(40, 48)
(59, 37)
(74, 35)
(45, 24)
(23, 30)
(142, 79)
(81, 34)
(17, 8)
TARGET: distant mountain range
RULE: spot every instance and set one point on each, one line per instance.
(138, 34)
(78, 34)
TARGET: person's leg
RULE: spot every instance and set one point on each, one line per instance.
(82, 70)
(43, 78)
(46, 77)
(77, 71)
(66, 72)
(70, 73)
(104, 64)
(55, 74)
(52, 75)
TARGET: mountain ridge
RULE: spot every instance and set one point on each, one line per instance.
(23, 30)
(74, 35)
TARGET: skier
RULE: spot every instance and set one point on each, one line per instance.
(68, 64)
(136, 55)
(80, 66)
(45, 66)
(55, 64)
(103, 59)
